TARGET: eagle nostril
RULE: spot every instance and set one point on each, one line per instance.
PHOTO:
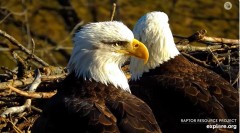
(136, 45)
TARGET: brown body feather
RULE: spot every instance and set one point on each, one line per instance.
(90, 107)
(179, 89)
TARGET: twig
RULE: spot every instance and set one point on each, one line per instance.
(194, 37)
(220, 40)
(219, 64)
(25, 7)
(202, 63)
(214, 56)
(52, 58)
(71, 33)
(22, 65)
(16, 129)
(47, 49)
(32, 94)
(27, 104)
(200, 36)
(226, 48)
(6, 75)
(55, 48)
(27, 81)
(5, 17)
(13, 12)
(17, 109)
(36, 81)
(36, 109)
(21, 47)
(190, 48)
(16, 83)
(33, 47)
(113, 11)
(8, 71)
(236, 80)
(229, 65)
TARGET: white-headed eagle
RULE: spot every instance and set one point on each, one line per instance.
(176, 89)
(95, 96)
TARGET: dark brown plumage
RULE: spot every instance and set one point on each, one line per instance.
(179, 89)
(88, 106)
(95, 96)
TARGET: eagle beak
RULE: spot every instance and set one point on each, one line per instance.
(139, 50)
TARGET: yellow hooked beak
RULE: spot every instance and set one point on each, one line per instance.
(137, 49)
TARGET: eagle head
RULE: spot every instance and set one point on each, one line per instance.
(154, 31)
(101, 48)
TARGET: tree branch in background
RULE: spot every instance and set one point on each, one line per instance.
(75, 28)
(199, 62)
(200, 36)
(226, 41)
(22, 48)
(214, 48)
(69, 15)
(26, 21)
(21, 65)
(113, 11)
(219, 53)
(117, 10)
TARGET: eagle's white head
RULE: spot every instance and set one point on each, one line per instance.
(153, 30)
(101, 48)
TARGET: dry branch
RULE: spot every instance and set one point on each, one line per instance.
(113, 11)
(32, 94)
(190, 48)
(201, 63)
(28, 102)
(214, 48)
(17, 109)
(220, 40)
(22, 65)
(37, 80)
(16, 83)
(70, 35)
(27, 81)
(236, 80)
(22, 48)
(200, 36)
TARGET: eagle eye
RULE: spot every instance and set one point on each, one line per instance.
(121, 43)
(116, 43)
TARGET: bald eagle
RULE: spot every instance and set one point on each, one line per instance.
(176, 89)
(95, 96)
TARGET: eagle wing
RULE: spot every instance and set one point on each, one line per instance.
(200, 85)
(75, 115)
(223, 91)
(117, 112)
(194, 90)
(133, 115)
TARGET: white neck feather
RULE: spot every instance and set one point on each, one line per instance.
(154, 31)
(93, 59)
(101, 66)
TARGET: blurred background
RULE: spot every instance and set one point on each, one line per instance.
(51, 23)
